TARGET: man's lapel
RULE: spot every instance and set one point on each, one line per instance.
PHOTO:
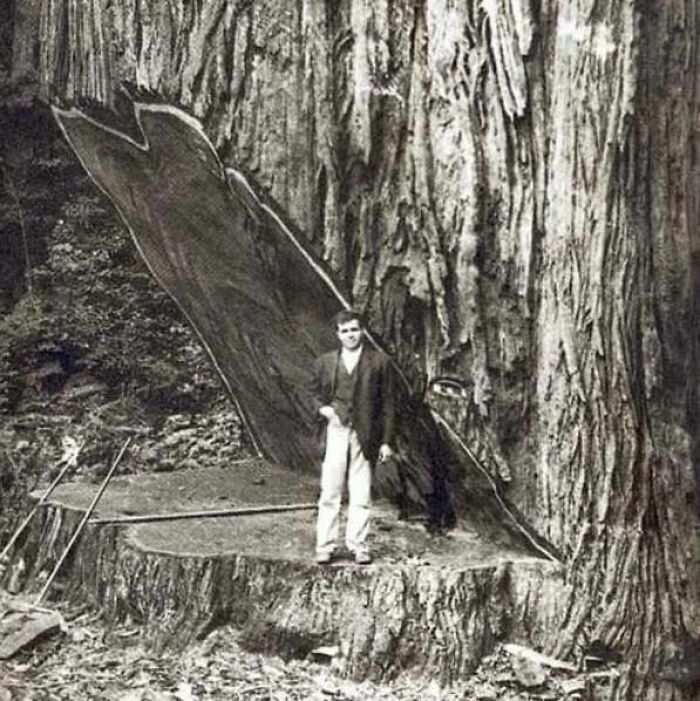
(361, 367)
(333, 367)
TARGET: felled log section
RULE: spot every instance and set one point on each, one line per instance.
(427, 606)
(20, 629)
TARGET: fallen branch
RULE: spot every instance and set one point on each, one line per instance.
(24, 629)
(21, 623)
(82, 523)
(212, 513)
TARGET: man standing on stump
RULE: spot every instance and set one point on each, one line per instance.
(354, 392)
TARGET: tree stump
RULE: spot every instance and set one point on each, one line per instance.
(429, 605)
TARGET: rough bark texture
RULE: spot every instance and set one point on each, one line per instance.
(509, 188)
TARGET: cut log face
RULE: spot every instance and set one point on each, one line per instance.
(261, 302)
(247, 292)
(178, 579)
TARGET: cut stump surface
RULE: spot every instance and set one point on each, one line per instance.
(428, 604)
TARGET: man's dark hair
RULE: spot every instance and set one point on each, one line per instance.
(345, 315)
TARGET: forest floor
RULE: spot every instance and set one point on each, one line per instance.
(91, 352)
(92, 662)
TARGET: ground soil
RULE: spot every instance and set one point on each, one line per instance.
(90, 662)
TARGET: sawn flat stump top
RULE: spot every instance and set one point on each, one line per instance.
(270, 536)
(179, 578)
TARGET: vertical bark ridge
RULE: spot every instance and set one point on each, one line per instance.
(624, 519)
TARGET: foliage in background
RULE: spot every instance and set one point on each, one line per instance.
(91, 350)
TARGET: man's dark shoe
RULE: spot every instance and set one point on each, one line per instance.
(363, 558)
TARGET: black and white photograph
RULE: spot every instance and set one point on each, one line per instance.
(349, 350)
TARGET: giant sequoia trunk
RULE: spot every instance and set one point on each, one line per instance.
(508, 188)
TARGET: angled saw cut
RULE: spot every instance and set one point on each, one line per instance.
(261, 302)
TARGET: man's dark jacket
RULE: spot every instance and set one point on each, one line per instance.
(373, 396)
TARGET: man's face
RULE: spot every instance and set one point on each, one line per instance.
(350, 334)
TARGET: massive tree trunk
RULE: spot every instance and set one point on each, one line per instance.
(508, 189)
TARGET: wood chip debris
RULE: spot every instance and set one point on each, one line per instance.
(19, 630)
(538, 657)
(528, 673)
(573, 686)
(326, 651)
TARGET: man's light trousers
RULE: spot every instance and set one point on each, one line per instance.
(344, 457)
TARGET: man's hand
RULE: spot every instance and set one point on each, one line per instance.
(385, 452)
(328, 413)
